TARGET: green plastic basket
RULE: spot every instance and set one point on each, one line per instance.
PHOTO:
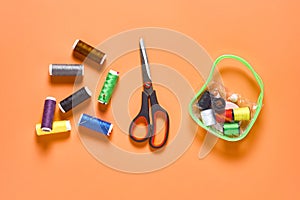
(204, 87)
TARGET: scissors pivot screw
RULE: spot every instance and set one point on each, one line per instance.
(147, 85)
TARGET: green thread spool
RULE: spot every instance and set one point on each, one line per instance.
(231, 129)
(108, 87)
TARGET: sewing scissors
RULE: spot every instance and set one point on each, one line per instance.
(157, 112)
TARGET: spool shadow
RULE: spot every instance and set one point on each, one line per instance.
(234, 151)
(78, 109)
(200, 135)
(102, 107)
(65, 79)
(231, 151)
(45, 141)
(93, 135)
(89, 62)
(65, 115)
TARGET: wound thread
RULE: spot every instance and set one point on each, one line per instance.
(241, 114)
(108, 87)
(95, 124)
(83, 50)
(48, 113)
(229, 115)
(74, 99)
(66, 69)
(231, 129)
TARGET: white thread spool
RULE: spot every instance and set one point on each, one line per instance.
(208, 117)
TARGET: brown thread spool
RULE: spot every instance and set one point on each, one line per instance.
(82, 50)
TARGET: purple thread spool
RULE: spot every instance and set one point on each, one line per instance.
(48, 114)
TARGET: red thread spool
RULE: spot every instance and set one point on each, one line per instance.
(226, 116)
(229, 115)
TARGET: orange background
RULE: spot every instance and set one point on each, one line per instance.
(36, 33)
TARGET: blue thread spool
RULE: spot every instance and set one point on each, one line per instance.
(95, 124)
(48, 113)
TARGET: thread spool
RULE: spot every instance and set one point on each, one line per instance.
(241, 114)
(48, 113)
(74, 99)
(108, 87)
(208, 117)
(229, 115)
(231, 129)
(66, 69)
(226, 116)
(204, 102)
(57, 127)
(95, 124)
(83, 50)
(218, 105)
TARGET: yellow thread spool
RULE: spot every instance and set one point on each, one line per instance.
(240, 114)
(57, 127)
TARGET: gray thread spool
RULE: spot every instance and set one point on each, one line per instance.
(66, 69)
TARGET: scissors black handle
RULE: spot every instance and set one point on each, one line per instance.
(142, 119)
(158, 112)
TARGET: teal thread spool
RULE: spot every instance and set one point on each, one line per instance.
(108, 87)
(231, 129)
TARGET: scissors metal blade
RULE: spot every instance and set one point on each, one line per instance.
(145, 64)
